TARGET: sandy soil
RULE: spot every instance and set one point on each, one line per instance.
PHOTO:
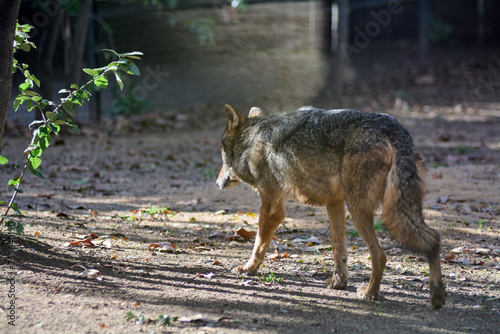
(163, 240)
(128, 233)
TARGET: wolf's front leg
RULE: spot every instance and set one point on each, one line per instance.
(272, 214)
(336, 214)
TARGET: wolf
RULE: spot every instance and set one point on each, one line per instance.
(332, 158)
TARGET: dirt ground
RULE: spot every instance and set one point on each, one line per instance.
(128, 233)
(163, 239)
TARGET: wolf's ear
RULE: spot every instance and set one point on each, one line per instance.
(256, 112)
(234, 120)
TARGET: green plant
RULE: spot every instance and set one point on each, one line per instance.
(271, 278)
(464, 150)
(59, 114)
(379, 226)
(352, 233)
(157, 210)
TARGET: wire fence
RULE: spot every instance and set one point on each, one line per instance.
(269, 53)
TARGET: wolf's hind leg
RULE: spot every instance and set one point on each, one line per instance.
(271, 215)
(336, 214)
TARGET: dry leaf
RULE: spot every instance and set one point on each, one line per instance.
(247, 235)
(210, 275)
(85, 243)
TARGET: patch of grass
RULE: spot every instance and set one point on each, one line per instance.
(352, 233)
(464, 150)
(158, 209)
(378, 225)
(271, 278)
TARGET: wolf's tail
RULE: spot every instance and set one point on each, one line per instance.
(402, 205)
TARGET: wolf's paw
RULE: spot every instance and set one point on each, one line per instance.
(365, 295)
(438, 296)
(242, 270)
(336, 282)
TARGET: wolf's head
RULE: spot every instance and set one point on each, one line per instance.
(227, 178)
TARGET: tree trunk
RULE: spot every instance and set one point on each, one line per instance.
(8, 15)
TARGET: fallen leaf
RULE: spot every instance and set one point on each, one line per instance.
(210, 275)
(311, 240)
(273, 256)
(191, 202)
(246, 283)
(449, 256)
(198, 318)
(250, 214)
(106, 243)
(444, 199)
(89, 273)
(162, 247)
(85, 243)
(247, 235)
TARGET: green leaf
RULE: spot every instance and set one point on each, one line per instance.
(44, 142)
(73, 126)
(19, 228)
(17, 103)
(10, 224)
(35, 151)
(132, 54)
(29, 105)
(14, 182)
(31, 93)
(43, 131)
(75, 86)
(19, 162)
(35, 172)
(130, 68)
(26, 47)
(37, 82)
(24, 86)
(68, 108)
(55, 128)
(112, 51)
(3, 202)
(101, 82)
(16, 209)
(119, 80)
(3, 160)
(51, 116)
(35, 162)
(91, 71)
